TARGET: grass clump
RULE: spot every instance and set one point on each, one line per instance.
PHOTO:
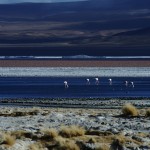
(129, 110)
(103, 147)
(118, 143)
(35, 111)
(20, 134)
(98, 133)
(1, 138)
(71, 131)
(49, 134)
(36, 146)
(92, 140)
(9, 140)
(147, 114)
(63, 144)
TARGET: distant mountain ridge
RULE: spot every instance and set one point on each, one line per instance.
(140, 32)
(22, 9)
(80, 24)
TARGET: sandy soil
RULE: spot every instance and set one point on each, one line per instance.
(51, 128)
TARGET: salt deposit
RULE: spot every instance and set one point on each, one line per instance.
(76, 71)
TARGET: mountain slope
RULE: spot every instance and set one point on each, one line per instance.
(93, 23)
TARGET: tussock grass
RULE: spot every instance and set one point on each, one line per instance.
(19, 112)
(18, 134)
(49, 134)
(129, 110)
(98, 133)
(32, 111)
(45, 134)
(143, 135)
(103, 147)
(71, 131)
(121, 139)
(21, 134)
(2, 139)
(36, 146)
(147, 114)
(92, 140)
(96, 138)
(118, 142)
(9, 140)
(63, 144)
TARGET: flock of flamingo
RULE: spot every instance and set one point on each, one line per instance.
(97, 82)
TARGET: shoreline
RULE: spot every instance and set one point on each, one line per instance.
(74, 72)
(81, 103)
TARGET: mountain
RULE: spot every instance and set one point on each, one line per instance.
(41, 10)
(82, 24)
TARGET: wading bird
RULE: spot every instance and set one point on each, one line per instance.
(66, 84)
(96, 81)
(132, 84)
(88, 81)
(126, 83)
(110, 81)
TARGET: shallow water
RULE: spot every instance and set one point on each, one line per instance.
(49, 82)
(53, 87)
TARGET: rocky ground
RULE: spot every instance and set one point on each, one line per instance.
(73, 129)
(95, 103)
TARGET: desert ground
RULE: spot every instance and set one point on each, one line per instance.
(43, 128)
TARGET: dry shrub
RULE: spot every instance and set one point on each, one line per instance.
(9, 140)
(142, 134)
(2, 138)
(24, 112)
(14, 114)
(22, 134)
(71, 131)
(129, 110)
(19, 114)
(106, 139)
(118, 143)
(98, 133)
(92, 140)
(103, 147)
(92, 144)
(147, 113)
(35, 111)
(36, 146)
(63, 144)
(45, 112)
(18, 134)
(49, 134)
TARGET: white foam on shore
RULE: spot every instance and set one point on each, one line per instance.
(75, 71)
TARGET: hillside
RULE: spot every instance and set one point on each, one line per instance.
(93, 23)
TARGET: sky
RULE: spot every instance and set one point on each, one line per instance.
(20, 1)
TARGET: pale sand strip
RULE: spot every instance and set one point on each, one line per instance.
(75, 71)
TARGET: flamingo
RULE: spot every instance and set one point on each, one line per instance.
(110, 81)
(96, 81)
(66, 84)
(126, 83)
(132, 84)
(88, 81)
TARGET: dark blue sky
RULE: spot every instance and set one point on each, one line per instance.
(20, 1)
